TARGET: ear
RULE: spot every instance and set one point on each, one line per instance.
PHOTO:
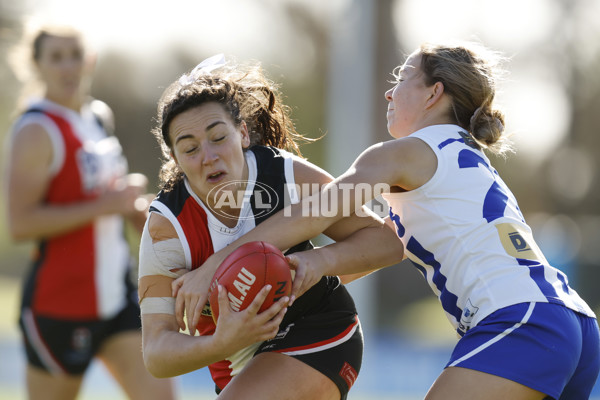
(435, 95)
(245, 135)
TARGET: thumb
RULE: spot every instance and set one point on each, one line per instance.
(292, 261)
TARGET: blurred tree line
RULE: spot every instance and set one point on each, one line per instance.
(566, 183)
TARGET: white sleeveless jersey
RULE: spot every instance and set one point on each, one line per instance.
(268, 189)
(465, 232)
(78, 275)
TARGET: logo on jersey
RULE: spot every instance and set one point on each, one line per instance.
(89, 168)
(233, 195)
(206, 310)
(519, 243)
(81, 340)
(469, 141)
(467, 316)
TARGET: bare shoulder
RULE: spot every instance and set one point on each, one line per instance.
(306, 174)
(160, 228)
(404, 147)
(32, 133)
(31, 145)
(406, 162)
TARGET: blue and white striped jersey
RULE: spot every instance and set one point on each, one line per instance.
(465, 232)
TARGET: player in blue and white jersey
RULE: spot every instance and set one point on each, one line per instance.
(524, 332)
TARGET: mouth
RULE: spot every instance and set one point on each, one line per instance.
(215, 176)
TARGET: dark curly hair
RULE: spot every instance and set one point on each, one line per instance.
(245, 93)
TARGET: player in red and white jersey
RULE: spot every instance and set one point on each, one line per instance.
(221, 127)
(70, 192)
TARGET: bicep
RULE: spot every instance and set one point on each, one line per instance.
(407, 163)
(162, 260)
(311, 179)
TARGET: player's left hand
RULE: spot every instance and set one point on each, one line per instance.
(236, 330)
(191, 293)
(308, 272)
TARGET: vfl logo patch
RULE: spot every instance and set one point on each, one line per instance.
(467, 316)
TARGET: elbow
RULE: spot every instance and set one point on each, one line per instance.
(21, 227)
(154, 366)
(17, 233)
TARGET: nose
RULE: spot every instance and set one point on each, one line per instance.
(71, 64)
(388, 94)
(209, 156)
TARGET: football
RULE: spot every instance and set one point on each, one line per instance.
(246, 271)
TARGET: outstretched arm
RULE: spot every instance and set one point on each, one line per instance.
(343, 198)
(365, 251)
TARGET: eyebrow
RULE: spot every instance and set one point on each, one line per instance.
(208, 128)
(179, 138)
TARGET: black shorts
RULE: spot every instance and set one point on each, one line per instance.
(68, 346)
(328, 337)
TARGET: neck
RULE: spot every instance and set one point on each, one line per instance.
(74, 103)
(432, 119)
(228, 211)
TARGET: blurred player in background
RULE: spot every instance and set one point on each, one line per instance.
(228, 142)
(525, 334)
(69, 191)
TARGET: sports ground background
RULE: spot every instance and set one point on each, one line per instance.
(333, 60)
(395, 366)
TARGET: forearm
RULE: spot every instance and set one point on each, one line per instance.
(364, 251)
(45, 221)
(172, 353)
